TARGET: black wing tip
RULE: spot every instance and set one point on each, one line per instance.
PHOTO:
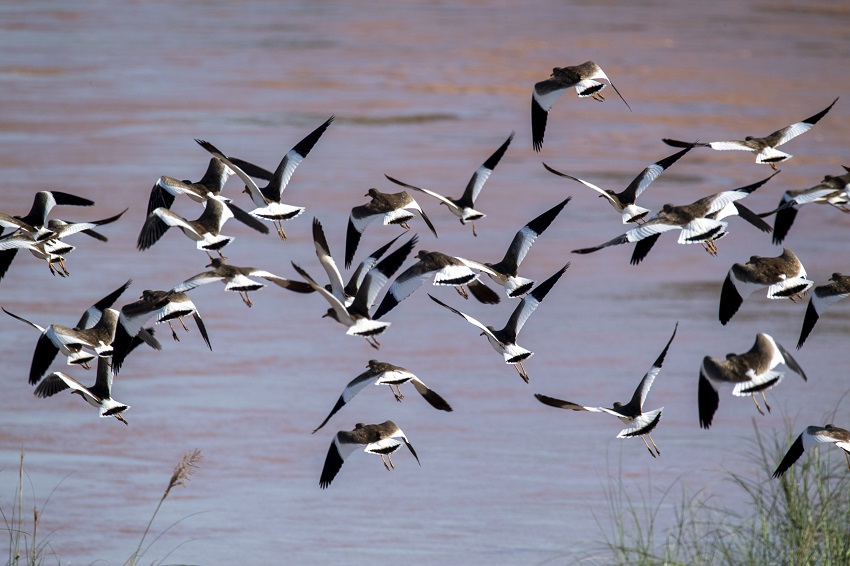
(352, 240)
(73, 200)
(660, 360)
(730, 301)
(333, 463)
(809, 322)
(483, 293)
(707, 401)
(543, 289)
(816, 118)
(538, 124)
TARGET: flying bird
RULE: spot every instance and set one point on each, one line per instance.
(447, 270)
(504, 341)
(166, 189)
(51, 248)
(382, 439)
(751, 373)
(506, 271)
(35, 220)
(34, 224)
(383, 373)
(267, 200)
(392, 208)
(345, 292)
(640, 423)
(812, 436)
(205, 231)
(164, 307)
(822, 297)
(698, 222)
(238, 279)
(356, 316)
(784, 276)
(624, 201)
(47, 243)
(764, 148)
(464, 207)
(833, 190)
(581, 77)
(94, 331)
(98, 395)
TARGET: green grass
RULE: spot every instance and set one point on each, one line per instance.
(25, 546)
(801, 518)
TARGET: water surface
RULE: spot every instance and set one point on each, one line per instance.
(101, 101)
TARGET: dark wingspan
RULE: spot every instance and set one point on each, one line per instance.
(752, 218)
(642, 248)
(708, 401)
(43, 356)
(621, 239)
(483, 293)
(730, 300)
(333, 464)
(791, 456)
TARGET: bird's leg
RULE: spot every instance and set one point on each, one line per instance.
(757, 404)
(705, 247)
(521, 371)
(245, 299)
(396, 395)
(390, 458)
(173, 334)
(772, 166)
(62, 265)
(279, 225)
(51, 268)
(474, 233)
(186, 328)
(384, 461)
(462, 292)
(400, 395)
(120, 417)
(373, 342)
(209, 255)
(651, 453)
(765, 402)
(404, 225)
(713, 247)
(85, 365)
(597, 96)
(653, 444)
(792, 299)
(221, 255)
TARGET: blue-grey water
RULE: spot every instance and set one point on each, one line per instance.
(101, 99)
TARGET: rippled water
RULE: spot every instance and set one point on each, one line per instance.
(100, 101)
